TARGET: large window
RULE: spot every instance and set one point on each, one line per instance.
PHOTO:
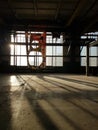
(93, 50)
(18, 53)
(93, 56)
(54, 51)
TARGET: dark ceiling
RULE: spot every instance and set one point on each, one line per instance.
(70, 15)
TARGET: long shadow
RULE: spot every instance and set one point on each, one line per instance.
(83, 109)
(5, 103)
(90, 95)
(70, 121)
(42, 85)
(33, 93)
(77, 81)
(54, 94)
(30, 86)
(45, 120)
(32, 96)
(58, 84)
(42, 116)
(84, 94)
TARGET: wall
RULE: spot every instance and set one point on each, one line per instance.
(4, 50)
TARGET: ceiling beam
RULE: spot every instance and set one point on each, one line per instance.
(93, 43)
(58, 9)
(35, 7)
(90, 7)
(13, 12)
(91, 22)
(77, 11)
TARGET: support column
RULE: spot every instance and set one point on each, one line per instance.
(72, 55)
(87, 60)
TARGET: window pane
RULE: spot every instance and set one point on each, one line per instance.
(32, 60)
(93, 51)
(18, 61)
(35, 58)
(83, 52)
(83, 61)
(49, 39)
(57, 40)
(34, 53)
(54, 61)
(12, 38)
(93, 61)
(23, 50)
(57, 50)
(20, 38)
(17, 50)
(23, 61)
(35, 61)
(48, 50)
(12, 49)
(48, 61)
(58, 61)
(38, 60)
(54, 50)
(12, 60)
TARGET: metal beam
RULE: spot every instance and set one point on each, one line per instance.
(77, 11)
(90, 7)
(93, 21)
(13, 12)
(93, 43)
(35, 7)
(58, 9)
(87, 60)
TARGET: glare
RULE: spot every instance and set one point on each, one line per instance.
(35, 60)
(13, 80)
(11, 49)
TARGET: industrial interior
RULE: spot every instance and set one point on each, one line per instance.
(48, 64)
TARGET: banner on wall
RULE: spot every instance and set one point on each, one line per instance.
(41, 47)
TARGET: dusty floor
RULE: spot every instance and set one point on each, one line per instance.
(48, 102)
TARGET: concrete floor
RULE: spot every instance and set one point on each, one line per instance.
(48, 102)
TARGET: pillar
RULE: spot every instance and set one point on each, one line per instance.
(72, 55)
(87, 60)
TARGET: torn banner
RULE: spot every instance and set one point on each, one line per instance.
(41, 38)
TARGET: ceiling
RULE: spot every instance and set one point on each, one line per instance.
(59, 15)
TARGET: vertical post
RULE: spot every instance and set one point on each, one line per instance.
(97, 55)
(87, 60)
(14, 49)
(26, 38)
